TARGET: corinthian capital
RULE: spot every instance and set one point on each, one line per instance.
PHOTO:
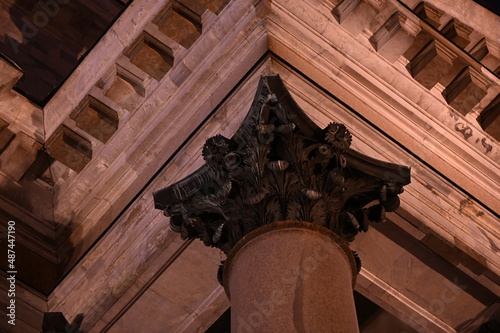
(280, 166)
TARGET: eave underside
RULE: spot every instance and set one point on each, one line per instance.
(446, 230)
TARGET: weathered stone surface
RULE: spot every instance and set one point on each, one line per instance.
(98, 62)
(70, 148)
(19, 155)
(10, 73)
(395, 36)
(29, 203)
(488, 53)
(489, 119)
(429, 13)
(421, 40)
(466, 90)
(180, 287)
(433, 62)
(123, 91)
(262, 7)
(457, 32)
(291, 277)
(125, 84)
(453, 297)
(215, 6)
(5, 135)
(96, 118)
(344, 9)
(354, 15)
(181, 24)
(30, 306)
(151, 55)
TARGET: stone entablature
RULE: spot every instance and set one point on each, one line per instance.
(433, 57)
(123, 87)
(73, 129)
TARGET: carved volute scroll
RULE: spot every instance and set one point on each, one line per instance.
(280, 166)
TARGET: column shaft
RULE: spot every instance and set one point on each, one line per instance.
(291, 277)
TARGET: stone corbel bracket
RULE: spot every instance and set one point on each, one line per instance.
(279, 166)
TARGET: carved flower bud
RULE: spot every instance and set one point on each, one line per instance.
(215, 148)
(353, 221)
(232, 161)
(279, 165)
(383, 193)
(272, 99)
(338, 136)
(285, 129)
(312, 194)
(265, 128)
(217, 234)
(336, 178)
(343, 161)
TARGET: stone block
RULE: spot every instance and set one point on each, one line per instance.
(466, 90)
(190, 8)
(433, 62)
(19, 155)
(40, 169)
(344, 9)
(488, 53)
(125, 87)
(421, 40)
(5, 135)
(70, 148)
(181, 24)
(394, 37)
(489, 119)
(458, 66)
(354, 15)
(215, 6)
(151, 56)
(262, 7)
(429, 14)
(457, 32)
(10, 73)
(96, 118)
(179, 74)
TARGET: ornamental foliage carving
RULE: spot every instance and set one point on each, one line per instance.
(280, 166)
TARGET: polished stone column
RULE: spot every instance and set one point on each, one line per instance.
(291, 277)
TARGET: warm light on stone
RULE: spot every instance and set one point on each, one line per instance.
(291, 277)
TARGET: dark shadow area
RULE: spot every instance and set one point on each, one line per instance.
(30, 267)
(48, 39)
(223, 324)
(491, 5)
(33, 197)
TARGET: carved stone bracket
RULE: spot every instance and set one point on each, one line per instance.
(279, 166)
(429, 13)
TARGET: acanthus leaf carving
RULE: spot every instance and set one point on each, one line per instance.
(280, 166)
